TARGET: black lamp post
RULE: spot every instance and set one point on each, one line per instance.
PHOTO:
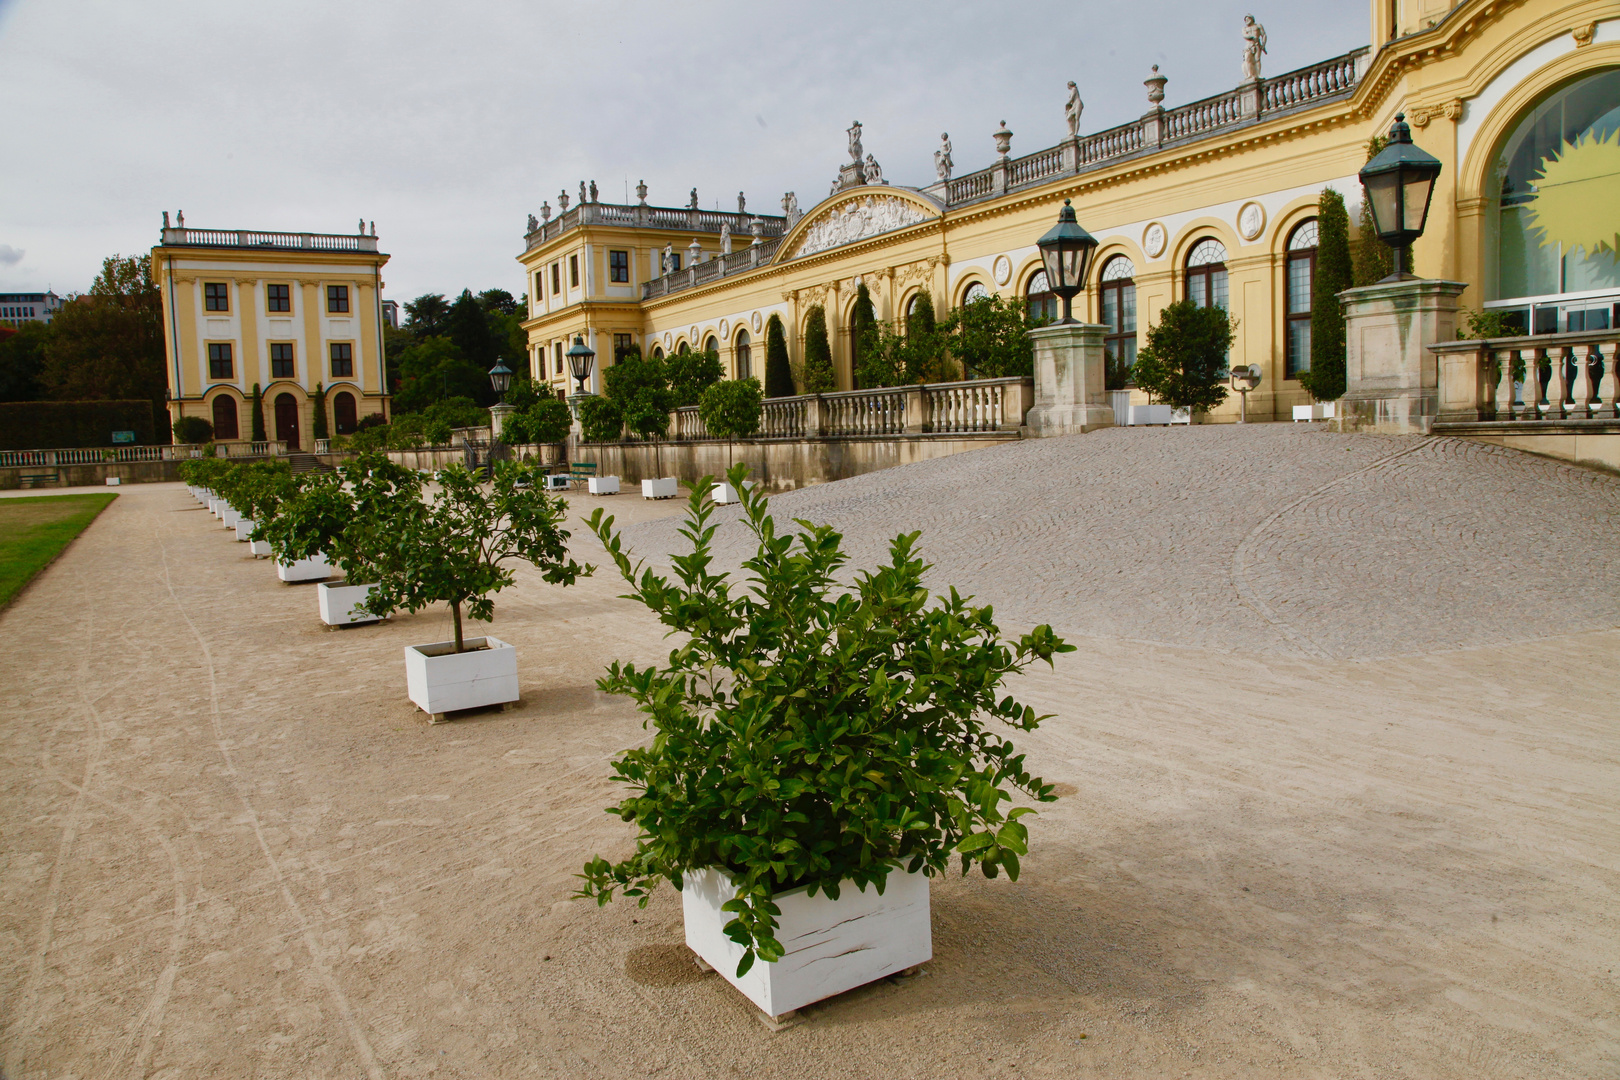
(1066, 252)
(1399, 183)
(500, 377)
(579, 360)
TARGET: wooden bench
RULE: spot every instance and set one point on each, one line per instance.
(39, 479)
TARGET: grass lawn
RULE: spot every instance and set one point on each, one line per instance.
(33, 531)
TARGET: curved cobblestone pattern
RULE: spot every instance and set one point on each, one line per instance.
(1261, 538)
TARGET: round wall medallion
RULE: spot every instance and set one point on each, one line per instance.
(1251, 219)
(1154, 239)
(758, 322)
(669, 341)
(725, 329)
(1003, 269)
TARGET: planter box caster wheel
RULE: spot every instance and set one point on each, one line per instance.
(781, 1021)
(702, 964)
(437, 717)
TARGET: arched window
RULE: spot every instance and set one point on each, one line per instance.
(1301, 274)
(1117, 294)
(1043, 302)
(1542, 229)
(745, 356)
(712, 345)
(658, 352)
(975, 292)
(343, 412)
(225, 418)
(684, 349)
(1206, 274)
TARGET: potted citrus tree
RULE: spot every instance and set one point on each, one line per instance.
(731, 410)
(819, 753)
(456, 550)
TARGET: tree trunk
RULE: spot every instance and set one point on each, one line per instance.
(455, 610)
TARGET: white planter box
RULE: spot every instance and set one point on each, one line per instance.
(558, 482)
(304, 569)
(1322, 410)
(114, 481)
(441, 680)
(1149, 414)
(724, 493)
(603, 485)
(258, 548)
(243, 527)
(229, 517)
(1330, 409)
(1303, 413)
(829, 946)
(666, 488)
(214, 505)
(338, 603)
(1181, 416)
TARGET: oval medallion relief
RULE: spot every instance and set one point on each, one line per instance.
(725, 329)
(758, 321)
(1251, 220)
(1003, 269)
(1154, 239)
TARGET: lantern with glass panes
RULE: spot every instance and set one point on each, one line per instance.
(500, 378)
(1066, 252)
(579, 361)
(1399, 183)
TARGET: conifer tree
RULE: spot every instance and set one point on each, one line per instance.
(258, 414)
(818, 365)
(1325, 379)
(320, 431)
(864, 341)
(778, 372)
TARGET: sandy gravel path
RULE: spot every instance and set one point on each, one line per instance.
(229, 847)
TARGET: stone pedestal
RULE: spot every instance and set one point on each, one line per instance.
(1392, 382)
(851, 175)
(1249, 99)
(1069, 389)
(498, 415)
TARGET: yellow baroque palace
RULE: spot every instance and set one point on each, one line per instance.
(1213, 200)
(290, 312)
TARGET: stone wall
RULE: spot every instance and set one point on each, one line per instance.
(129, 472)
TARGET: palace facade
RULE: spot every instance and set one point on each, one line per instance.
(1214, 200)
(289, 312)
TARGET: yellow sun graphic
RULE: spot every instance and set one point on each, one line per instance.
(1577, 201)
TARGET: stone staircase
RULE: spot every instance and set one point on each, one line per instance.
(303, 463)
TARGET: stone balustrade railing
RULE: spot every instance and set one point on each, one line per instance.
(246, 238)
(748, 258)
(1562, 377)
(97, 455)
(642, 216)
(977, 405)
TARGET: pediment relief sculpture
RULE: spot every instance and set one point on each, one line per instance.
(858, 219)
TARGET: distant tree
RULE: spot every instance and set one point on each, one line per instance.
(989, 338)
(818, 366)
(319, 402)
(22, 358)
(920, 319)
(546, 420)
(1334, 273)
(497, 300)
(258, 414)
(1186, 356)
(193, 429)
(690, 374)
(864, 344)
(427, 316)
(601, 420)
(778, 371)
(468, 326)
(731, 410)
(108, 343)
(433, 370)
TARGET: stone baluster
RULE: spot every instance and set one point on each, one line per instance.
(1557, 371)
(815, 422)
(1504, 383)
(1607, 381)
(1530, 388)
(1580, 390)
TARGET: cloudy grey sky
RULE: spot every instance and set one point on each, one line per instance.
(448, 124)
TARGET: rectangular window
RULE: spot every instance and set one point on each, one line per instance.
(337, 299)
(1297, 346)
(556, 278)
(621, 345)
(278, 297)
(281, 360)
(539, 288)
(342, 360)
(216, 296)
(219, 361)
(573, 271)
(619, 266)
(558, 351)
(674, 261)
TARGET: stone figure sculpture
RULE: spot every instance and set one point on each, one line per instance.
(165, 219)
(534, 223)
(855, 142)
(362, 227)
(790, 208)
(874, 171)
(668, 262)
(562, 202)
(859, 219)
(725, 238)
(742, 203)
(373, 228)
(692, 203)
(1254, 47)
(593, 191)
(582, 199)
(179, 219)
(942, 157)
(1072, 110)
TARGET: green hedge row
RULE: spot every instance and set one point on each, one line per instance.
(54, 425)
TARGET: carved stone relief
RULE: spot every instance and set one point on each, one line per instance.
(857, 220)
(1154, 239)
(1251, 220)
(1002, 269)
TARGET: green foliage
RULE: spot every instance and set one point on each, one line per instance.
(320, 429)
(1488, 323)
(1116, 372)
(437, 432)
(547, 420)
(866, 350)
(1374, 259)
(22, 358)
(811, 734)
(454, 549)
(255, 488)
(778, 370)
(467, 326)
(1334, 274)
(434, 370)
(639, 386)
(1185, 356)
(35, 529)
(731, 409)
(691, 373)
(989, 338)
(258, 415)
(108, 344)
(49, 425)
(458, 412)
(921, 319)
(353, 516)
(819, 377)
(192, 429)
(427, 316)
(601, 419)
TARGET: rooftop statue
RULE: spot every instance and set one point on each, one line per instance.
(533, 223)
(855, 142)
(942, 157)
(874, 171)
(1072, 110)
(692, 204)
(1254, 47)
(582, 199)
(593, 191)
(742, 203)
(725, 238)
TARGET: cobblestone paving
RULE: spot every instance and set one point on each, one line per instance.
(1265, 538)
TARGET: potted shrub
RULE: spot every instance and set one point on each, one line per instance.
(454, 550)
(298, 530)
(819, 753)
(1184, 361)
(731, 410)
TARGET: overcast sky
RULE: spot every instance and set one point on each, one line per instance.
(448, 124)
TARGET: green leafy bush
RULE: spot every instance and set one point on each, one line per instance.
(192, 429)
(1334, 273)
(691, 373)
(808, 734)
(545, 420)
(819, 377)
(258, 415)
(731, 409)
(353, 516)
(1184, 360)
(989, 338)
(601, 420)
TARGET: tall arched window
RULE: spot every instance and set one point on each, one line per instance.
(975, 291)
(658, 352)
(712, 345)
(343, 412)
(1043, 302)
(685, 348)
(1301, 273)
(1206, 274)
(225, 418)
(745, 356)
(1118, 296)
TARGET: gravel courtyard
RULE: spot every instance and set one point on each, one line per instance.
(1338, 753)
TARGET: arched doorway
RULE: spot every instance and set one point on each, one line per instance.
(287, 420)
(343, 413)
(225, 418)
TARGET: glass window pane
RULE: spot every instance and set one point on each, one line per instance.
(1127, 311)
(1299, 285)
(1110, 308)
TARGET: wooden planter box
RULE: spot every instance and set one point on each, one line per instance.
(829, 945)
(441, 680)
(338, 604)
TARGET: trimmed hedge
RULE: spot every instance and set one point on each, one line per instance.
(56, 425)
